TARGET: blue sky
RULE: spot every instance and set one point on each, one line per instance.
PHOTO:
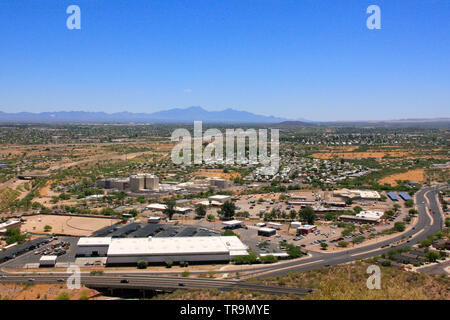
(305, 58)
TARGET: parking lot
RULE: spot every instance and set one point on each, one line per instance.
(31, 258)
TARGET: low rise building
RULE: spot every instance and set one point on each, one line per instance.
(219, 198)
(266, 232)
(126, 251)
(11, 224)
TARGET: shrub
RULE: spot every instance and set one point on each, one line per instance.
(268, 259)
(343, 244)
(63, 296)
(169, 263)
(142, 264)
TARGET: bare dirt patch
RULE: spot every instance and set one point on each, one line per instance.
(16, 291)
(417, 175)
(216, 173)
(68, 225)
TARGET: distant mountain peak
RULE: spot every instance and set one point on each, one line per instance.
(174, 115)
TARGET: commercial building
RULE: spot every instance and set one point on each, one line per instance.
(275, 225)
(161, 207)
(232, 224)
(302, 203)
(93, 246)
(153, 219)
(219, 198)
(307, 228)
(47, 261)
(296, 224)
(266, 232)
(126, 251)
(357, 194)
(11, 224)
(368, 216)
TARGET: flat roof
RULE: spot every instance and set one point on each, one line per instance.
(48, 258)
(219, 197)
(94, 241)
(374, 219)
(307, 226)
(8, 223)
(370, 214)
(275, 254)
(231, 222)
(267, 229)
(176, 246)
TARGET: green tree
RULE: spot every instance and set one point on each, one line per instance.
(357, 209)
(293, 214)
(200, 211)
(169, 211)
(399, 226)
(307, 214)
(409, 203)
(343, 244)
(432, 256)
(227, 210)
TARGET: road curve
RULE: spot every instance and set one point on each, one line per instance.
(427, 224)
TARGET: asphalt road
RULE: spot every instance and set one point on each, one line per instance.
(430, 221)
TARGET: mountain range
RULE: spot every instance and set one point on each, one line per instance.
(187, 115)
(170, 116)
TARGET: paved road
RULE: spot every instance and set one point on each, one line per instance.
(430, 221)
(427, 224)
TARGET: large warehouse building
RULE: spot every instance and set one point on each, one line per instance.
(126, 251)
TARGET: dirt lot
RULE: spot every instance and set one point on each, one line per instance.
(12, 291)
(417, 175)
(76, 226)
(216, 173)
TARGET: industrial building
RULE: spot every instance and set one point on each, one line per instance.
(126, 251)
(93, 246)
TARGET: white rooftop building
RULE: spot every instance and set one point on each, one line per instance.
(219, 198)
(121, 251)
